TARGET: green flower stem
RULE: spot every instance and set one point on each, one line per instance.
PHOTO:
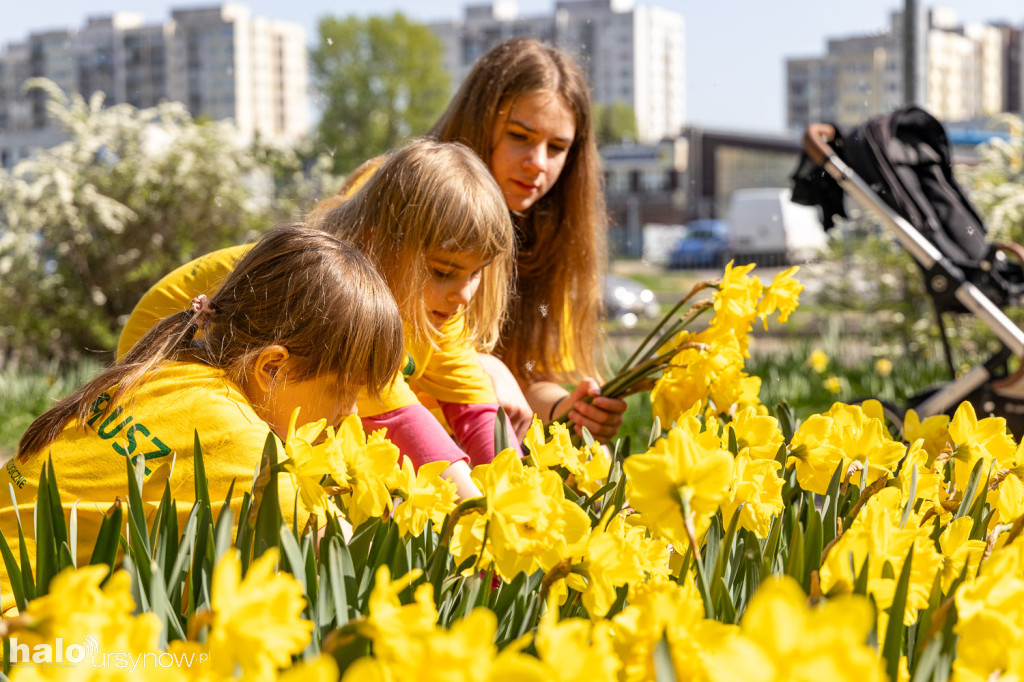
(635, 378)
(702, 580)
(699, 286)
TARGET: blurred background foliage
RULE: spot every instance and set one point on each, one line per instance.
(88, 226)
(379, 80)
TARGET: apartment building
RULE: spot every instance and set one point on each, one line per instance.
(967, 73)
(221, 62)
(631, 53)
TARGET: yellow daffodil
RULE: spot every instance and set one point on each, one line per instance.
(709, 650)
(372, 465)
(529, 523)
(559, 451)
(757, 486)
(989, 648)
(619, 555)
(783, 295)
(876, 536)
(734, 389)
(811, 644)
(757, 434)
(959, 552)
(637, 629)
(393, 625)
(257, 620)
(990, 619)
(974, 439)
(308, 464)
(864, 439)
(833, 384)
(323, 668)
(813, 453)
(588, 465)
(1008, 497)
(931, 486)
(687, 464)
(818, 360)
(710, 367)
(685, 384)
(427, 496)
(871, 409)
(736, 303)
(933, 430)
(465, 652)
(78, 609)
(594, 468)
(576, 650)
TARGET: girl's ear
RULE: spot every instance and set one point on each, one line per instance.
(268, 363)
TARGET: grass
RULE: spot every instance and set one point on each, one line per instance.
(24, 395)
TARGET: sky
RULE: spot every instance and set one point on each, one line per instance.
(735, 49)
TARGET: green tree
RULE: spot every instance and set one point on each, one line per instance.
(614, 123)
(381, 80)
(87, 226)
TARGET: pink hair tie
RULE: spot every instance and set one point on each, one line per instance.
(203, 310)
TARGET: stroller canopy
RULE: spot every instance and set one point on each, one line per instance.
(904, 157)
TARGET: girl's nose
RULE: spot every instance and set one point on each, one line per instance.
(461, 294)
(537, 158)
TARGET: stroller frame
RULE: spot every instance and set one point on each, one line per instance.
(944, 278)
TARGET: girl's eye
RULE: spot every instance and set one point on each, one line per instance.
(441, 274)
(516, 135)
(557, 148)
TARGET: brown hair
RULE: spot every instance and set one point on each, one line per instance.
(561, 238)
(300, 288)
(431, 195)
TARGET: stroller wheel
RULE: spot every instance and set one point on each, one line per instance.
(893, 416)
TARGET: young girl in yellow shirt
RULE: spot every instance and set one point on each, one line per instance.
(434, 221)
(303, 321)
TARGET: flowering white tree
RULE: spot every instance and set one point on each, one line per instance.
(996, 182)
(88, 225)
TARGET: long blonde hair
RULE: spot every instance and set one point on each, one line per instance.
(562, 238)
(300, 288)
(431, 195)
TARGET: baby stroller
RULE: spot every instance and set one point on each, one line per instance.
(898, 167)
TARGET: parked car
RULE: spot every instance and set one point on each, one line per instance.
(627, 301)
(705, 245)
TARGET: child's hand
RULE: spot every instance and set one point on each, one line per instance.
(602, 416)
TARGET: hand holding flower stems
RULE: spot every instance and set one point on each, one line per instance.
(640, 371)
(682, 368)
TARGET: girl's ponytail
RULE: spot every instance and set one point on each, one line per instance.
(168, 339)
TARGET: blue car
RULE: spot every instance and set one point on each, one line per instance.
(705, 245)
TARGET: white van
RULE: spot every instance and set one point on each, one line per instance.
(765, 227)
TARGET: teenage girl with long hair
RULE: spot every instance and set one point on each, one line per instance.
(525, 109)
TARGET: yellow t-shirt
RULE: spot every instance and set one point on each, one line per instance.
(158, 423)
(450, 373)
